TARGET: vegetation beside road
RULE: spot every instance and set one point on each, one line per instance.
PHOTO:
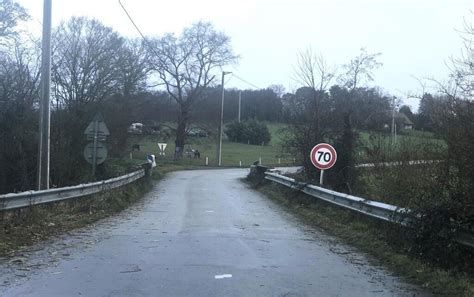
(25, 227)
(385, 242)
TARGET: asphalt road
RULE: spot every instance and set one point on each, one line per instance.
(198, 233)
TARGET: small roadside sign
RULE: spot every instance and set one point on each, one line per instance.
(100, 151)
(95, 152)
(323, 156)
(97, 126)
(162, 147)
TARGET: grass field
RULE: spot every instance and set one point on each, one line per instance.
(234, 154)
(411, 136)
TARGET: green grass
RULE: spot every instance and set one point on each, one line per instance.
(272, 154)
(232, 153)
(410, 136)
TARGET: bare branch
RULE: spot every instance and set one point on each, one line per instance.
(313, 71)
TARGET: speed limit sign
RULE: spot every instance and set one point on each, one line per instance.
(323, 156)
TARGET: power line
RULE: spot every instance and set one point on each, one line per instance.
(247, 82)
(228, 80)
(138, 29)
(151, 47)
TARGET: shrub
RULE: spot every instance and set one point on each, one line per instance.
(250, 131)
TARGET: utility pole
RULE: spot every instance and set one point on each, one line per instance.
(44, 120)
(219, 151)
(240, 102)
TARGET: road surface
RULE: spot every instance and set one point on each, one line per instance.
(198, 233)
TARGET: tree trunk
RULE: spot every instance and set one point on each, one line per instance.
(348, 143)
(180, 140)
(3, 175)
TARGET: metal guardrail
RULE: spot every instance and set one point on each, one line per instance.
(29, 198)
(370, 208)
(374, 209)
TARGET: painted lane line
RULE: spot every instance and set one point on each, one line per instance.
(223, 276)
(209, 211)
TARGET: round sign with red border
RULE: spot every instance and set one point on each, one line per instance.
(323, 156)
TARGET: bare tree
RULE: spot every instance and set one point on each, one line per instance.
(462, 70)
(359, 70)
(19, 91)
(11, 14)
(187, 64)
(312, 70)
(133, 67)
(306, 109)
(84, 62)
(84, 72)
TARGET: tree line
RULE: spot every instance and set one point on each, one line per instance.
(171, 78)
(95, 69)
(439, 194)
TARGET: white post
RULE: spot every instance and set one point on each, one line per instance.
(131, 155)
(321, 177)
(240, 163)
(207, 161)
(279, 161)
(260, 161)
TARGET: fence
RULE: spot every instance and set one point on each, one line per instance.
(29, 198)
(378, 210)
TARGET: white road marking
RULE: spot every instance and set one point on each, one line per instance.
(209, 211)
(222, 276)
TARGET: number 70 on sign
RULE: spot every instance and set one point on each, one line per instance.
(323, 156)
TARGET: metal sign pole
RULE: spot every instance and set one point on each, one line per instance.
(321, 177)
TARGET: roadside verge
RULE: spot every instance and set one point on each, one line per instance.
(380, 240)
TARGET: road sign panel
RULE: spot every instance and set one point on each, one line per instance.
(101, 152)
(100, 126)
(101, 129)
(162, 147)
(323, 156)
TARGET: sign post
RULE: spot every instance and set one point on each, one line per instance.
(323, 156)
(95, 152)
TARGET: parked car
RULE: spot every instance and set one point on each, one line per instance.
(136, 128)
(197, 132)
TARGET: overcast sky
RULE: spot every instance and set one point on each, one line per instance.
(416, 38)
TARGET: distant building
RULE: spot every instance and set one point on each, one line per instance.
(402, 122)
